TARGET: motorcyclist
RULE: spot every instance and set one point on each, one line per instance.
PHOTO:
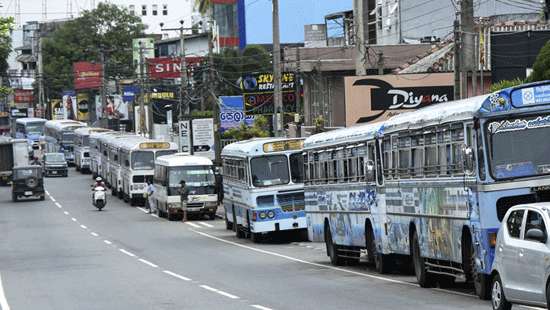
(98, 182)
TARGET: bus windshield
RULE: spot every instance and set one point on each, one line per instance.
(297, 167)
(518, 147)
(199, 179)
(269, 170)
(36, 128)
(143, 160)
(68, 137)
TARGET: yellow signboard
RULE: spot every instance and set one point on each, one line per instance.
(154, 145)
(280, 146)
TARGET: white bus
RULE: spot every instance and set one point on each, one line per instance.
(109, 156)
(82, 158)
(114, 175)
(137, 161)
(198, 174)
(59, 135)
(263, 186)
(96, 152)
(30, 128)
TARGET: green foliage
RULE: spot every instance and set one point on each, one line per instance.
(108, 27)
(230, 65)
(244, 132)
(203, 5)
(202, 114)
(506, 84)
(6, 24)
(541, 67)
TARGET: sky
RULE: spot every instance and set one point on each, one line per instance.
(294, 14)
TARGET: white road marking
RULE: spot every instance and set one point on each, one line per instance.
(529, 307)
(47, 193)
(73, 219)
(152, 214)
(260, 307)
(3, 301)
(192, 224)
(58, 205)
(127, 253)
(94, 234)
(175, 275)
(215, 290)
(52, 199)
(107, 241)
(66, 213)
(206, 224)
(146, 262)
(83, 227)
(145, 211)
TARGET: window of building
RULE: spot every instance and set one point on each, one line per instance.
(155, 10)
(144, 10)
(132, 9)
(165, 9)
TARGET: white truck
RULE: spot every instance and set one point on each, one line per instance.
(13, 153)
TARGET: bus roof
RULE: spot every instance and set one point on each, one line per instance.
(86, 131)
(183, 159)
(352, 134)
(98, 135)
(143, 144)
(64, 124)
(256, 146)
(25, 120)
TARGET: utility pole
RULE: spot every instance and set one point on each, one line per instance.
(103, 86)
(41, 97)
(278, 116)
(467, 52)
(183, 104)
(215, 106)
(380, 63)
(457, 58)
(360, 13)
(141, 91)
(298, 93)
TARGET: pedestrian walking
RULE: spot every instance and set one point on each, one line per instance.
(150, 193)
(184, 195)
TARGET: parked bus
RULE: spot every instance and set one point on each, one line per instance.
(108, 154)
(114, 174)
(263, 186)
(96, 152)
(82, 158)
(430, 186)
(198, 174)
(30, 128)
(137, 159)
(59, 135)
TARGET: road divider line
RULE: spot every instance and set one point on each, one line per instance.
(3, 301)
(83, 227)
(192, 224)
(58, 205)
(143, 210)
(94, 234)
(260, 307)
(206, 224)
(175, 275)
(304, 261)
(146, 262)
(47, 193)
(52, 199)
(107, 241)
(73, 219)
(154, 215)
(215, 290)
(127, 253)
(66, 213)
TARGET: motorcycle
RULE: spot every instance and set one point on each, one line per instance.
(99, 197)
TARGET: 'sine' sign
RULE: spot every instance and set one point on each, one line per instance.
(169, 67)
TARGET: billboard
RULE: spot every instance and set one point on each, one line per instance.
(56, 107)
(258, 93)
(169, 67)
(376, 98)
(203, 137)
(23, 98)
(82, 106)
(87, 75)
(69, 104)
(232, 113)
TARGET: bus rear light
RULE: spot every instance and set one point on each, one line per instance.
(492, 236)
(254, 216)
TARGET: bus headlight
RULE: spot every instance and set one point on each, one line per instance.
(263, 215)
(270, 214)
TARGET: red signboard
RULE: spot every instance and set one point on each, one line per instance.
(23, 96)
(86, 75)
(169, 67)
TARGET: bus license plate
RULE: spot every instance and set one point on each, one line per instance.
(28, 193)
(193, 209)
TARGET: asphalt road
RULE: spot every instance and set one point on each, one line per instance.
(62, 253)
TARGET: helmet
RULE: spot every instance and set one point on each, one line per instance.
(98, 179)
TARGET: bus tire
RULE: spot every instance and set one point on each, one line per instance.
(77, 168)
(234, 226)
(120, 194)
(382, 263)
(132, 202)
(332, 249)
(228, 224)
(240, 232)
(256, 237)
(424, 278)
(481, 282)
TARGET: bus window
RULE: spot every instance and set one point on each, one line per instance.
(269, 170)
(297, 167)
(143, 160)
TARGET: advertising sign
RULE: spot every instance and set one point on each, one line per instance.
(258, 93)
(87, 75)
(232, 113)
(141, 124)
(376, 98)
(129, 93)
(530, 96)
(23, 97)
(69, 105)
(83, 104)
(57, 109)
(183, 136)
(203, 137)
(169, 67)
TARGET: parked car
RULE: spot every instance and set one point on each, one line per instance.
(521, 267)
(27, 181)
(55, 164)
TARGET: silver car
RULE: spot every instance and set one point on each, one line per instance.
(522, 258)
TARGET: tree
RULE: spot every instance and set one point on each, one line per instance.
(203, 6)
(541, 67)
(506, 84)
(244, 132)
(6, 24)
(109, 28)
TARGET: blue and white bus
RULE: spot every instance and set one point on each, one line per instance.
(30, 128)
(263, 186)
(430, 186)
(59, 135)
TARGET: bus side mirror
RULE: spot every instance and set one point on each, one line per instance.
(468, 159)
(369, 170)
